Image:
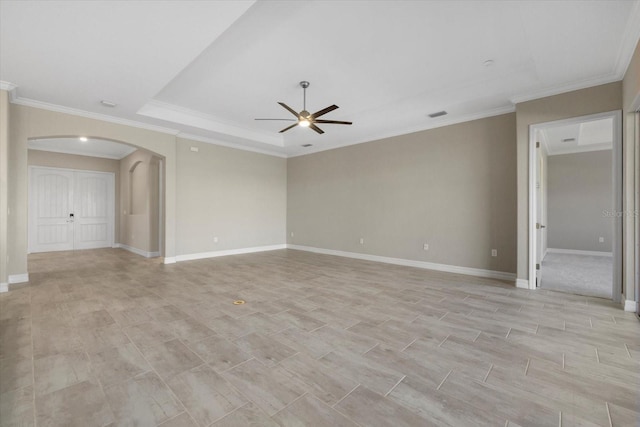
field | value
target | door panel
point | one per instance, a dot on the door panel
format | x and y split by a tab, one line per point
540	227
93	211
70	210
53	197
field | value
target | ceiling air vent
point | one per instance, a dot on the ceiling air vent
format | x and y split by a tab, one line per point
568	140
438	114
307	145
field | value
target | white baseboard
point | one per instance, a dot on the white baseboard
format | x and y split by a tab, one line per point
18	278
577	252
169	260
136	250
629	305
412	263
213	254
4	287
522	283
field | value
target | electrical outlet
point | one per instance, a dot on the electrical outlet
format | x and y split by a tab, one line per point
426	247
194	149
215	239
494	252
601	239
292	234
362	240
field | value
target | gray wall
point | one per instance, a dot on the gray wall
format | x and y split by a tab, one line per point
580	188
452	187
238	196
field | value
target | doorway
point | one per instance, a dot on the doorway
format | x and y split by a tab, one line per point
67	209
575	193
70	209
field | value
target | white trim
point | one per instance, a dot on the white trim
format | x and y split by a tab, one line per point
4	287
18	278
629	305
7	86
213	141
169	260
577	252
75	153
579	149
617	184
214	254
90	115
564	88
413	129
629	41
187	117
126	122
491	274
136	251
522	283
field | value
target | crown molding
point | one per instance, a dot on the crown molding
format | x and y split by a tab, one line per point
629	41
96	116
206	140
187	117
579	149
570	87
132	123
413	129
75	153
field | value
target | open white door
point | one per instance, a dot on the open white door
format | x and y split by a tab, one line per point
541	227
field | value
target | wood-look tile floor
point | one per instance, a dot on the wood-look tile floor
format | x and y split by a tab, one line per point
107	338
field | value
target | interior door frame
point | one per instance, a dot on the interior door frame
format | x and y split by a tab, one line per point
30	214
617	197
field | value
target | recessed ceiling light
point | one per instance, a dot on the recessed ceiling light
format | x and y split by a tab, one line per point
83	139
488	63
438	114
108	103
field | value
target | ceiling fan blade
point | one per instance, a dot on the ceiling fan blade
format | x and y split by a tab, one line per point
333	122
289	109
286	120
289	127
316	128
324	111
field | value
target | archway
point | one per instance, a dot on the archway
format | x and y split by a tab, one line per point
137	208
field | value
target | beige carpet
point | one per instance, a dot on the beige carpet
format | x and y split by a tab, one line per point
578	274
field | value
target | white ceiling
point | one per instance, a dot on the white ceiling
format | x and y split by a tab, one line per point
594	135
206	69
94	147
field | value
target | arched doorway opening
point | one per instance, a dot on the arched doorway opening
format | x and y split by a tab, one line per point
73	206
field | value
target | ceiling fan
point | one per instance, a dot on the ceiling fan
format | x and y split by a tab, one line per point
306	119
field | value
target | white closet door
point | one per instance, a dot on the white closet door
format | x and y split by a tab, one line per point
51	203
70	210
93	210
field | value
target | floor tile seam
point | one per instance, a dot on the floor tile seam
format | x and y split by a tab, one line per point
345	396
175	396
33	365
289	404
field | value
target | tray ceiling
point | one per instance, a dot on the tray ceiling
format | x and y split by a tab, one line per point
206	69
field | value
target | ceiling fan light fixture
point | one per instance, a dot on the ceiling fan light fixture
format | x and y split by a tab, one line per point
305	123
